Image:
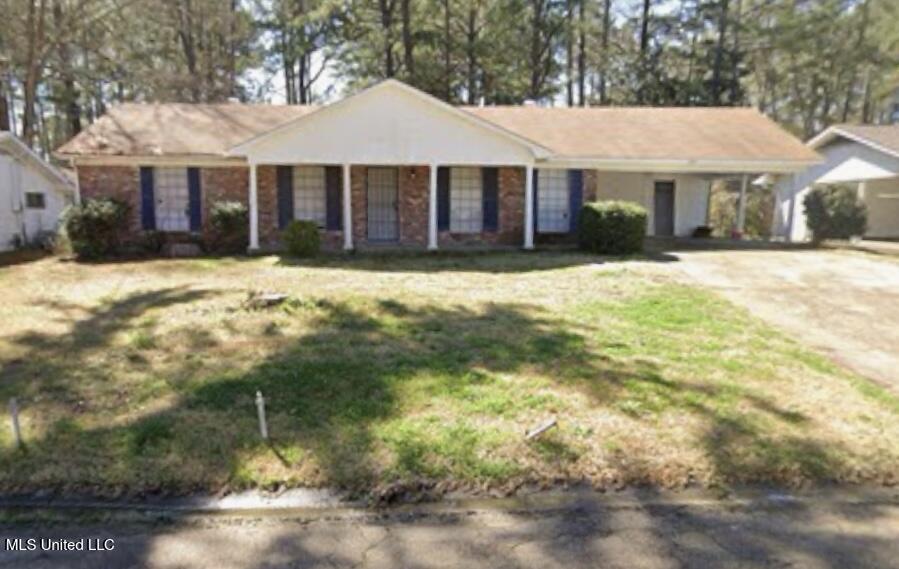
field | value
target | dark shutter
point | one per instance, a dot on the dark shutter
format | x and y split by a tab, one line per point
575	198
147	202
333	198
194	199
443	198
490	198
285	196
536	201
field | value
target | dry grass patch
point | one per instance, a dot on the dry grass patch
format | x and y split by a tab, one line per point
141	376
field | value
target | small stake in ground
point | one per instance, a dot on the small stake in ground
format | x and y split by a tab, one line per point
260	409
14	412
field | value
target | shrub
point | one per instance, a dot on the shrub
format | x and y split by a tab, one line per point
229	227
612	227
95	228
301	238
835	212
151	242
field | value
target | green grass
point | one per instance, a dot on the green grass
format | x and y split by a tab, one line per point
390	369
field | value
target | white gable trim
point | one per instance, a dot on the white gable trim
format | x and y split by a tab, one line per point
833	132
19	150
536	149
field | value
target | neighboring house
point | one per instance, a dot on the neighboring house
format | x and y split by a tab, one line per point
865	157
32	194
394	165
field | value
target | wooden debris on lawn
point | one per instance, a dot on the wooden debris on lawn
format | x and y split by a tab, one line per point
542	428
259	300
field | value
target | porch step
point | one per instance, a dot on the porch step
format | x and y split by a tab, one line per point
182	250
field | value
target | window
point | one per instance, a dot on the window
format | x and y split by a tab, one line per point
466	200
552	201
172	202
309	194
35	200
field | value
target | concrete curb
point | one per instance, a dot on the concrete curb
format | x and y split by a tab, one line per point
316	504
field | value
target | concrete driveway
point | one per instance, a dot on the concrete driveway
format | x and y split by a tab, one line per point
844	304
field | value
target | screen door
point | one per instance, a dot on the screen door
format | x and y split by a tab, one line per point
383	193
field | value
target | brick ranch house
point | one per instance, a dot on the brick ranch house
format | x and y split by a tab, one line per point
393	165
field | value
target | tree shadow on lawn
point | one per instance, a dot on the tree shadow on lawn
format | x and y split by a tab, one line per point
50	359
433	372
467	261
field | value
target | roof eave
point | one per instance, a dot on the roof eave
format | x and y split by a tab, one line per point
31	155
736	166
832	132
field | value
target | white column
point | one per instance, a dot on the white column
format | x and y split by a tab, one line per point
791	216
347	210
254	210
432	210
741	208
862	190
529	207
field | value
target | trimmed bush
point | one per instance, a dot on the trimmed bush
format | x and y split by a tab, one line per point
612	227
95	228
301	238
835	212
229	227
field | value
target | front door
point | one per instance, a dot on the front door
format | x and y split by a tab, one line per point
383	194
663	212
172	201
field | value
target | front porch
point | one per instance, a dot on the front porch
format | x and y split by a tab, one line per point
410	206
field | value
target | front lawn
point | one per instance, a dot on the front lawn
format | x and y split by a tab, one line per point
141	376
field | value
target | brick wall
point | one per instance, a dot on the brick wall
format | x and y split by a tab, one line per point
223	184
117	182
414	182
267	195
232	183
510	230
590	185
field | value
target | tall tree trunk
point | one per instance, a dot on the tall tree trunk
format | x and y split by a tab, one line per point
231	46
718	65
735	64
536	56
447	52
69	95
859	44
34	67
644	29
5	89
582	54
386	7
644	51
569	51
603	78
471	38
408	42
188	46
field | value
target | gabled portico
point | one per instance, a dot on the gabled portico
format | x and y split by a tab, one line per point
386	136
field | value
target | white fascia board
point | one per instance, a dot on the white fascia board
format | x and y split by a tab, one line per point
833	132
676	166
21	151
181	160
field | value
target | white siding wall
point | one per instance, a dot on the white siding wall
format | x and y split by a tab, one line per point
839	152
17	178
386	126
882	199
10	225
690	196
